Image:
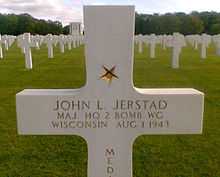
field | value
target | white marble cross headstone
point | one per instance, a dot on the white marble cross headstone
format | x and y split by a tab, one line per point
205	41
36	41
109	112
216	40
5	41
26	44
69	41
61	41
177	43
139	40
163	41
1	51
196	41
74	42
49	41
11	40
152	42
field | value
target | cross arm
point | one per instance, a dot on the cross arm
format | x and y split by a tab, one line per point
38	114
171	111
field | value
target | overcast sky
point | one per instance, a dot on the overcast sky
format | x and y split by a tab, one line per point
71	10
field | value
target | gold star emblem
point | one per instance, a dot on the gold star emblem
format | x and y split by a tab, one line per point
109	74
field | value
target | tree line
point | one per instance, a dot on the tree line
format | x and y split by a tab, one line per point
18	24
193	23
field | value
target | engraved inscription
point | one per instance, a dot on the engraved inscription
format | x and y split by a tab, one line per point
92	114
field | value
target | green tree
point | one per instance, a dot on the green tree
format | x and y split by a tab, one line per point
215	29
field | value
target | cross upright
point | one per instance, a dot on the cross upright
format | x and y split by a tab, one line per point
109	112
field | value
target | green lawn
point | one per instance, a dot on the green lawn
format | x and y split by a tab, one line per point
66	156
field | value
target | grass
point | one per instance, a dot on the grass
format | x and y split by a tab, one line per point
66	156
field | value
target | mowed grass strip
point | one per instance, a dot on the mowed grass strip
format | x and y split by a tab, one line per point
66	156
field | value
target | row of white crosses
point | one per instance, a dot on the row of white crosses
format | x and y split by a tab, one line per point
70	40
203	41
37	41
194	40
216	41
151	40
6	41
177	41
26	41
